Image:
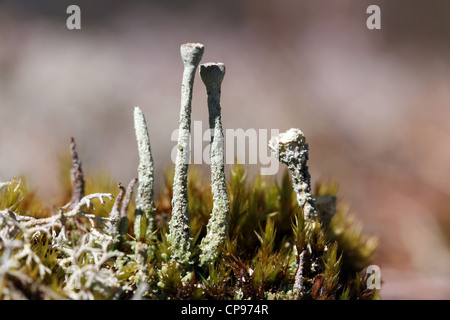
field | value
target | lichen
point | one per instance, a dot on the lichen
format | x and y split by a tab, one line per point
212	75
291	149
260	239
179	231
145	205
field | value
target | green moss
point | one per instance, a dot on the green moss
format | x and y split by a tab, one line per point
257	261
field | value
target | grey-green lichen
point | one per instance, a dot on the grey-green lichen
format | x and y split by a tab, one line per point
212	75
269	249
179	232
145	205
291	149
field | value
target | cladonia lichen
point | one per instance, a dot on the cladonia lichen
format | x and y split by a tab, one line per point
212	75
257	244
145	205
179	232
291	149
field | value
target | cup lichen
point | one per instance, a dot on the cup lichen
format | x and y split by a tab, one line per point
179	231
260	240
212	75
291	149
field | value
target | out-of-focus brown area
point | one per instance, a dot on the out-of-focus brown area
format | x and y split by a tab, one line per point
374	104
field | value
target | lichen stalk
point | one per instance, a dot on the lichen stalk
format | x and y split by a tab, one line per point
212	75
179	231
145	205
291	149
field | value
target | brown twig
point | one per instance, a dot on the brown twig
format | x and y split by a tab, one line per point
115	213
76	176
127	198
123	222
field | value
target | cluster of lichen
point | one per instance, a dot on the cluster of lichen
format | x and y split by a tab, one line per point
258	261
228	239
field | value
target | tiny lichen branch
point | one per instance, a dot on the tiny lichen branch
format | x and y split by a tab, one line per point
30	228
291	149
82	279
145	205
179	231
212	75
76	175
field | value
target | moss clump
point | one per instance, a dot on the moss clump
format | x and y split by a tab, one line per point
257	261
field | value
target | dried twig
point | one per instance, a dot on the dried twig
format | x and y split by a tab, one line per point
127	198
115	214
123	222
76	175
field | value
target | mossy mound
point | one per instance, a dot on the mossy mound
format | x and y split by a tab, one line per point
44	258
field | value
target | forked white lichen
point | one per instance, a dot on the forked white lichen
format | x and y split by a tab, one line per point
18	234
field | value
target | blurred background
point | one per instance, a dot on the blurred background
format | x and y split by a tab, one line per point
373	104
